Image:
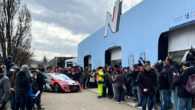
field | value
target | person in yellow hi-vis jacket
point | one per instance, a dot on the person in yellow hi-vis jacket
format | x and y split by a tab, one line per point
100	81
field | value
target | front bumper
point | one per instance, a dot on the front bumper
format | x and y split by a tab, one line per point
69	88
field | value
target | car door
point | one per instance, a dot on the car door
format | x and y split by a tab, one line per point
49	82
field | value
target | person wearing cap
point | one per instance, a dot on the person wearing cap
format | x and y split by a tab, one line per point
22	88
4	90
100	81
10	73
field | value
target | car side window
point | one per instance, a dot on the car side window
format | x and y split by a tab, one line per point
49	78
46	75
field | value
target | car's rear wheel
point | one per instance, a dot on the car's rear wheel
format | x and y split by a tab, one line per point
57	88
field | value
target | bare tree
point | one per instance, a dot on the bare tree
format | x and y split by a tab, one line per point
15	39
2	30
21	41
10	9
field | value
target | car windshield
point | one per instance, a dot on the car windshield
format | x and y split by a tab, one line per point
60	77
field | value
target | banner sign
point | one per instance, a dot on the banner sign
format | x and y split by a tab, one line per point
113	21
184	18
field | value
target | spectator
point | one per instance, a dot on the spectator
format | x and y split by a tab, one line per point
184	97
136	89
92	82
163	86
124	87
34	86
110	73
171	67
118	83
100	81
12	70
77	76
4	90
84	77
80	71
31	95
106	82
88	77
13	88
40	82
22	88
127	81
8	63
147	83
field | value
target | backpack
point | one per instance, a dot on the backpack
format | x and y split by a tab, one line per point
190	86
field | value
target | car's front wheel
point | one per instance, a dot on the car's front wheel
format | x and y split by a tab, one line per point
57	88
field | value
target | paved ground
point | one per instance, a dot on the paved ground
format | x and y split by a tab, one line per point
85	100
128	101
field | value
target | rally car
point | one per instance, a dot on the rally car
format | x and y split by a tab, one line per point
60	83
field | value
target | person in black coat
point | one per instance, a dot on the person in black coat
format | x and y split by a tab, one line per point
40	82
163	85
184	97
147	83
110	88
171	67
134	75
8	63
22	88
128	79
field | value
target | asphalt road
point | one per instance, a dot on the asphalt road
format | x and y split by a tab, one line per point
84	100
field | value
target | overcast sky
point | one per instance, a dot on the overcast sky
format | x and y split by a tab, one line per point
59	25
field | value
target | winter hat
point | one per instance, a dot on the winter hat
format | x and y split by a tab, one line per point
25	68
13	68
43	69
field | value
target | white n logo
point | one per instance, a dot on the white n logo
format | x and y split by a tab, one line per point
114	20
